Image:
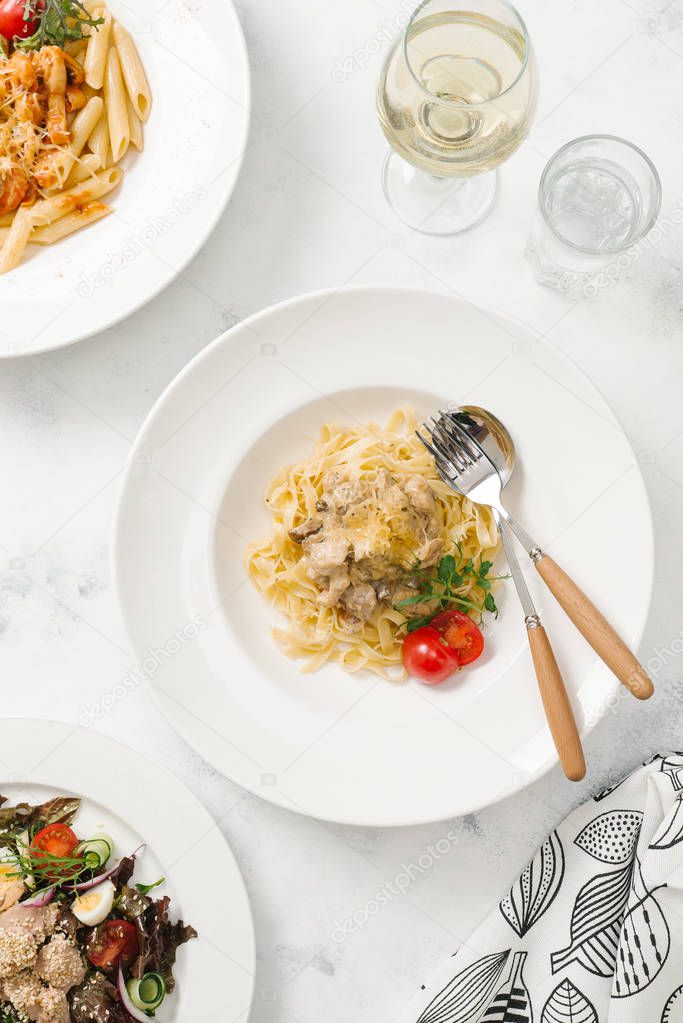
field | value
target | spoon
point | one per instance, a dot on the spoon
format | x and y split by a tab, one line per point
495	442
461	468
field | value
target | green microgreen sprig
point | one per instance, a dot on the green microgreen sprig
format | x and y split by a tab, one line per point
145	889
449	585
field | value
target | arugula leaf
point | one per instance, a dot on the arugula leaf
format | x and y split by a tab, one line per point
59	22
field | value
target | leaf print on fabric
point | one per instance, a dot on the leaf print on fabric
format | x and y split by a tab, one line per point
613	788
672	766
596	922
611	837
464	998
673	1010
670	832
536	888
511	1002
568	1005
644	942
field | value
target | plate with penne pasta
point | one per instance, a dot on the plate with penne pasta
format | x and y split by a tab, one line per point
121	134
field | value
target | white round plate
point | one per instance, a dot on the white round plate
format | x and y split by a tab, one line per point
353	748
136	801
172	194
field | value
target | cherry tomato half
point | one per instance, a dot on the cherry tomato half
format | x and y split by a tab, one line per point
460	633
116	941
56	841
12	24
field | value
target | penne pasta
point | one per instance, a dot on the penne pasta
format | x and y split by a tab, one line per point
96	54
135	126
69	111
82	128
16	240
70	223
45	211
99	141
85	168
76	48
117	112
133	72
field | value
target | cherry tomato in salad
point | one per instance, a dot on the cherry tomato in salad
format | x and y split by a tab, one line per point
450	641
115	942
12	24
461	634
56	841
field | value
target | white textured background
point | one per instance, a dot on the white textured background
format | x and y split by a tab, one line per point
308	213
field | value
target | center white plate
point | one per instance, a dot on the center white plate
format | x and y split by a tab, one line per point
352	748
171	196
136	801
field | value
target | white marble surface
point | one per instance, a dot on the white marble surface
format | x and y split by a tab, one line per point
308	213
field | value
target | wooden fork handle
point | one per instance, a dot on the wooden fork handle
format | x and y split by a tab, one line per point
607	644
558	709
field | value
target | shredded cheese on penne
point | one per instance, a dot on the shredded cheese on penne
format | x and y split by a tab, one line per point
62	122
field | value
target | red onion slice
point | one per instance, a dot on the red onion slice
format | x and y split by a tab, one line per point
130	1008
84	886
43	898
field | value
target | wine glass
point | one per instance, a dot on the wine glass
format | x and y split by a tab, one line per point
456	98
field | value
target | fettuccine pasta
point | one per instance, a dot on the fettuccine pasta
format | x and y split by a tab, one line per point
393	533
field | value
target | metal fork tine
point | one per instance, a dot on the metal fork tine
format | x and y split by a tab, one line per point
453	451
428	444
443	462
462	438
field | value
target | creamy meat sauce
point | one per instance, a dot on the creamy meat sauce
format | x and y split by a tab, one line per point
366	540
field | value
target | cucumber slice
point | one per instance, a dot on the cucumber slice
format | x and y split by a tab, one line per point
96	851
148	993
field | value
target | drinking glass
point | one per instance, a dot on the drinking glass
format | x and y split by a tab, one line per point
456	98
598	197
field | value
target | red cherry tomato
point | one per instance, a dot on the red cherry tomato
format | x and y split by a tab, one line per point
461	634
435	651
426	656
56	841
12	24
116	941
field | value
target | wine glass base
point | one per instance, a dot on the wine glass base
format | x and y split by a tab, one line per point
434	205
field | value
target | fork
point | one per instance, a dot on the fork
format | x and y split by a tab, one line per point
485	487
458	469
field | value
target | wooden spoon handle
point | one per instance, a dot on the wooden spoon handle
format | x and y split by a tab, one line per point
558	709
607	644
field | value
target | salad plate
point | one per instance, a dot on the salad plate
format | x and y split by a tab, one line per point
171	195
356	748
139	810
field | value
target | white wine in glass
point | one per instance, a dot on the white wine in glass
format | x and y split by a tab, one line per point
456	98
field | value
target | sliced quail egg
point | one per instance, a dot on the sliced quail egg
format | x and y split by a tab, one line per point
94	906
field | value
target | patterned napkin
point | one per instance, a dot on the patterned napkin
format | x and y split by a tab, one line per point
592	932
